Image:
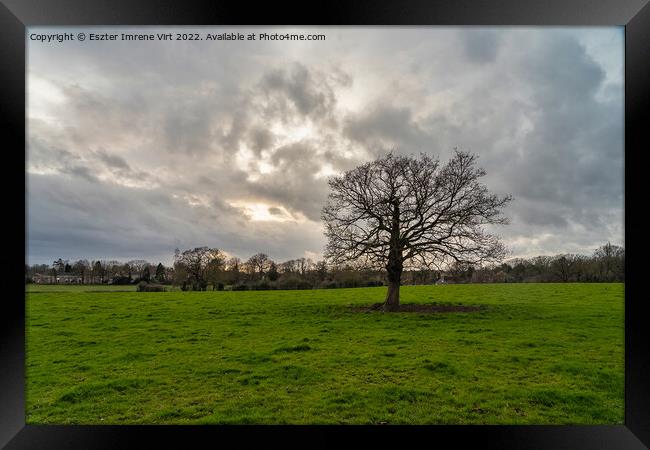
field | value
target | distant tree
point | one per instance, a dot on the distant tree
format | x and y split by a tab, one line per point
288	266
113	269
99	271
81	268
273	272
126	270
258	264
59	265
191	266
460	272
563	267
170	273
121	280
541	268
233	269
303	265
520	269
160	273
137	267
181	275
400	210
611	261
146	274
321	270
215	271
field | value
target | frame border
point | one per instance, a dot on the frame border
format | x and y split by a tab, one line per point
16	15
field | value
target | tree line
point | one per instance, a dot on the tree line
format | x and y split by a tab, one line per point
606	264
205	268
84	271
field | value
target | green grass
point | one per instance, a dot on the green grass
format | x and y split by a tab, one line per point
44	288
537	354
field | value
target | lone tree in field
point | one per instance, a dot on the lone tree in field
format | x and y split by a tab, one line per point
400	211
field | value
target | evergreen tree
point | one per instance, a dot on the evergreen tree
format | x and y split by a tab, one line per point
160	273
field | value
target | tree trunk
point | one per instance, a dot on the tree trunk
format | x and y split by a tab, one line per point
394	265
392	297
394	269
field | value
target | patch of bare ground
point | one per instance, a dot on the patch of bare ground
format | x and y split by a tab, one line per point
423	308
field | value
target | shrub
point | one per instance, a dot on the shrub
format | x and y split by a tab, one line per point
330	284
288	282
155	288
303	284
200	285
121	280
262	286
194	285
143	286
293	282
240	287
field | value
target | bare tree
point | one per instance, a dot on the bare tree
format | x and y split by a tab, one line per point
321	270
288	266
214	271
303	265
402	211
273	271
564	267
59	265
81	268
233	267
137	267
611	261
258	264
193	265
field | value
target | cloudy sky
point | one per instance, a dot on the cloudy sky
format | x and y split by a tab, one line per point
137	148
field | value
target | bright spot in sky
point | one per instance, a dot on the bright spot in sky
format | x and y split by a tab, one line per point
42	97
264	212
289	134
326	171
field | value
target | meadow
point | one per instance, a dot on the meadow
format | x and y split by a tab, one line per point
534	354
47	288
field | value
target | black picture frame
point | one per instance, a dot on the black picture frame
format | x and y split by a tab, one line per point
15	15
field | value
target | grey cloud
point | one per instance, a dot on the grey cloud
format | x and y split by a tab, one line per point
532	103
385	128
112	160
480	45
567	169
574	154
81	171
260	139
187	126
75	219
299	86
572	72
293	184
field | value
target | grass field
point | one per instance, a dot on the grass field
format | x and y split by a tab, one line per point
537	354
44	288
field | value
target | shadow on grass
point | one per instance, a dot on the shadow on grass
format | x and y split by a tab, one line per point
425	308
